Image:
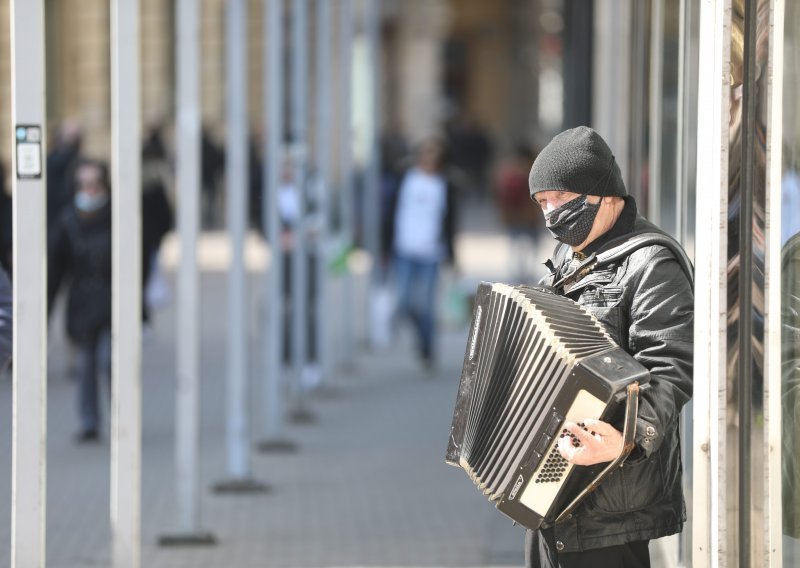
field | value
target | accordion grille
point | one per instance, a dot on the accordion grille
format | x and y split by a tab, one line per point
526	347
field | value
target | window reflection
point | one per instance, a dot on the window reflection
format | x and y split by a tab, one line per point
790	289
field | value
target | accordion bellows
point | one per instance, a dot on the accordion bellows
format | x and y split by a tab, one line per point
533	360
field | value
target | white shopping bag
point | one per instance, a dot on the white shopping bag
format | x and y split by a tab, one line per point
382	307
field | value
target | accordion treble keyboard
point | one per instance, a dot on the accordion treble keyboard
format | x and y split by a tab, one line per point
533	360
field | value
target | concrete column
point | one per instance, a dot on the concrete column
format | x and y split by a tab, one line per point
158	68
611	78
91	86
212	66
422	29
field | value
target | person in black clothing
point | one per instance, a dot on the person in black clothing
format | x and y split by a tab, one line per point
61	161
6	234
80	251
644	298
212	158
157	216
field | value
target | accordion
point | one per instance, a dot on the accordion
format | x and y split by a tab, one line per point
534	360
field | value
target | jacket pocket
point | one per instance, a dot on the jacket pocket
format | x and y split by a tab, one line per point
631	487
601	297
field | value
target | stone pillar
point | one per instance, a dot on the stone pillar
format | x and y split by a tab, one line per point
86	78
158	62
212	72
255	52
422	26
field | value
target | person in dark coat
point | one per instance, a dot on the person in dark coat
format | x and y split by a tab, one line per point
61	160
6	320
80	250
644	298
157	215
6	234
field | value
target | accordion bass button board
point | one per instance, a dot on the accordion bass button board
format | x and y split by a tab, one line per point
533	360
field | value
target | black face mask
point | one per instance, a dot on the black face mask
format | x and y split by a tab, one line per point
572	222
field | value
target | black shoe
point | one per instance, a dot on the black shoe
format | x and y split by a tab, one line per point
87	436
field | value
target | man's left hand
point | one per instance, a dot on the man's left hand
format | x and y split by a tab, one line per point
600	442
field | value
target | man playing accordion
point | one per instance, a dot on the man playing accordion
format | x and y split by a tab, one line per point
645	300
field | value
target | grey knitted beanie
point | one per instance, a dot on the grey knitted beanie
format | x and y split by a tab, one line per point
580	161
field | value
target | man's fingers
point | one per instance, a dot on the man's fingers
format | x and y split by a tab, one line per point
583	436
567	450
600	427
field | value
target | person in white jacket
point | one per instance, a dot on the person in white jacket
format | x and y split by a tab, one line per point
420	237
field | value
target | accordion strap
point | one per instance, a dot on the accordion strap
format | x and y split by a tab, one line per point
621	247
628	435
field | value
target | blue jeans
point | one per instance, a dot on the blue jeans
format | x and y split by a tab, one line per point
415	280
94	360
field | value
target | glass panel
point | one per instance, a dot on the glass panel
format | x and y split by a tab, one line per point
790	284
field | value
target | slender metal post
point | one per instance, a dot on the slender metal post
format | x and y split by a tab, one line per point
773	338
273	434
29	422
346	205
187	170
299	108
372	209
126	388
323	162
684	172
656	96
710	493
681	140
236	170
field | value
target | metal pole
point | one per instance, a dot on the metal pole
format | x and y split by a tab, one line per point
299	108
681	142
323	158
346	206
272	92
29	422
236	170
372	209
126	389
187	169
656	129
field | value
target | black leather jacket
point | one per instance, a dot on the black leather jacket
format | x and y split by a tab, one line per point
646	302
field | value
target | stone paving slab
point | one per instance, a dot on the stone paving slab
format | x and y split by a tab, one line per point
369	486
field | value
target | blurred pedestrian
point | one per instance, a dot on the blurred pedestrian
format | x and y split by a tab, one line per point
471	151
157	219
212	168
255	194
289	214
61	161
6	321
523	223
419	237
80	251
6	233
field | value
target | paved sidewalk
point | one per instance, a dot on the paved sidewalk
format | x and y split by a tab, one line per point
369	486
